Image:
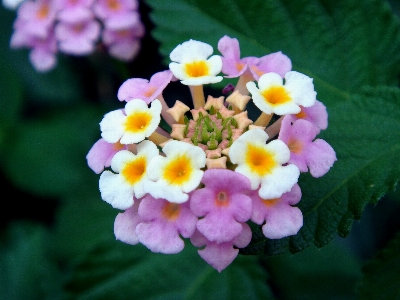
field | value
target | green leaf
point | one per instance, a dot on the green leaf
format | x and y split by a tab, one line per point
47	156
382	274
343	45
26	269
365	132
118	271
83	221
315	273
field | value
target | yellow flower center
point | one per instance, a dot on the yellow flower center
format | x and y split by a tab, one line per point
178	170
134	170
171	211
276	95
138	121
260	160
197	69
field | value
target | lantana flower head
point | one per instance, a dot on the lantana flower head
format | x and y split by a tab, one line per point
77	27
213	171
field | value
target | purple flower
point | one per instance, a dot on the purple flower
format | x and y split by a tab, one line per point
280	217
101	153
305	152
223	203
161	224
315	114
125	224
221	255
138	88
78	38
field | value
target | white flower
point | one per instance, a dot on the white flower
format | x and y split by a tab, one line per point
191	63
134	126
176	174
262	163
272	96
128	182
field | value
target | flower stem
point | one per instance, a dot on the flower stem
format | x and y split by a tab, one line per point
197	96
273	130
263	119
241	84
157	138
167	117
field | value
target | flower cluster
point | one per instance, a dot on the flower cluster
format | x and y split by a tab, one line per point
216	170
75	27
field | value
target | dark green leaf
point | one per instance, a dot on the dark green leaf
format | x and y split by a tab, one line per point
328	273
26	270
47	156
382	274
119	271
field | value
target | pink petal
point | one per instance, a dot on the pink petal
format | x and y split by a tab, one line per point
320	157
125	224
219	256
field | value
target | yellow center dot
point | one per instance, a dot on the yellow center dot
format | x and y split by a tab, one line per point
270	202
134	170
197	69
138	121
276	95
295	146
43	11
178	170
222	199
260	160
114	4
171	211
302	114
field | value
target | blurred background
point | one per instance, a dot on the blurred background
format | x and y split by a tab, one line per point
56	234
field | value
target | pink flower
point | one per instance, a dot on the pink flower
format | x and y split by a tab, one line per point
315	114
117	14
73	10
101	153
234	66
221	255
161	224
317	156
123	44
36	18
138	88
223	203
280	217
78	38
125	224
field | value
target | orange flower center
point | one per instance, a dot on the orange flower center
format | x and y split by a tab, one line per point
171	211
138	121
178	170
134	170
43	12
222	199
260	160
276	95
197	69
295	146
